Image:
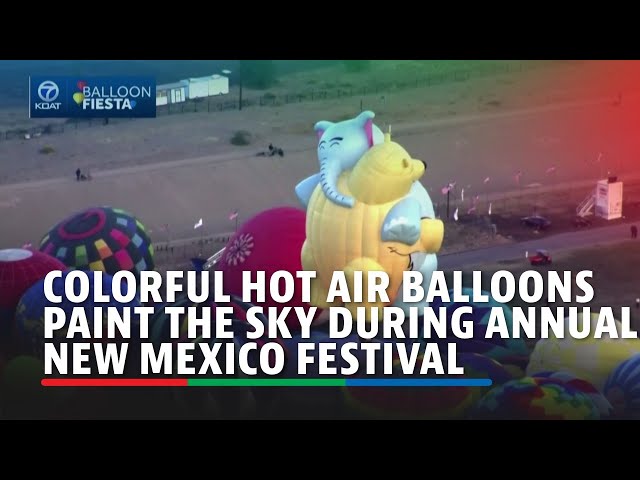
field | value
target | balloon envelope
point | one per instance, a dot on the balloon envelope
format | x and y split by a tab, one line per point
30	312
104	238
270	241
504	350
622	388
591	359
535	399
604	406
19	270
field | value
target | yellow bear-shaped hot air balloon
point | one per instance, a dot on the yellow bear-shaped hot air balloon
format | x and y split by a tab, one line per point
379	233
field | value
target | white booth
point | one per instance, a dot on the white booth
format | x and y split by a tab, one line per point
608	199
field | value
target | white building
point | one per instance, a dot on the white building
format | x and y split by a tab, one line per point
172	93
207	86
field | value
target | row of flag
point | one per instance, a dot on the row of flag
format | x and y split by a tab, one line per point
447	189
165	227
470	211
232	216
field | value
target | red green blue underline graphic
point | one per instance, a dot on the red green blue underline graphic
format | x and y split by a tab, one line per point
266	382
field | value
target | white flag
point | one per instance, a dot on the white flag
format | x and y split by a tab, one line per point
455	215
462	195
490	209
198	225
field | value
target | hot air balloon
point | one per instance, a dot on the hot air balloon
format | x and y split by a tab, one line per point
104	238
591	359
604	406
535	399
428	403
383	225
341	145
507	351
30	313
212	403
271	241
19	270
622	389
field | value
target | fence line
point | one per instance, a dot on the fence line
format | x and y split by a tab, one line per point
221	103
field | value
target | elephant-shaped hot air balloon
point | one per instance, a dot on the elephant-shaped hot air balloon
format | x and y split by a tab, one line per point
379	233
340	147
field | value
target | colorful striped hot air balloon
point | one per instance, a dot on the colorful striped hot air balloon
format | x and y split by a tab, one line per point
535	399
104	238
604	406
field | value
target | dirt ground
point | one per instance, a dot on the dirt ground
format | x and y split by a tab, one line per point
179	136
181	168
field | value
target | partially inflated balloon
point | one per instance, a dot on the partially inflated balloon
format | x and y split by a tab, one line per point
622	389
427	403
19	270
592	359
604	406
511	351
268	242
535	399
30	313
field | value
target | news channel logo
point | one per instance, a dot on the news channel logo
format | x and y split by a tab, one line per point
92	97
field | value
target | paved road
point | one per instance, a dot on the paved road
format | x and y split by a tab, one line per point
553	243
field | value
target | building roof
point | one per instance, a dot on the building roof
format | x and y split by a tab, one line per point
170	86
204	79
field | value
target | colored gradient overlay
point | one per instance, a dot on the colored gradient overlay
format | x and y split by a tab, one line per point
266	382
595	134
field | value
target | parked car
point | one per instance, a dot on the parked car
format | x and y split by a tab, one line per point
536	221
542	257
581	222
